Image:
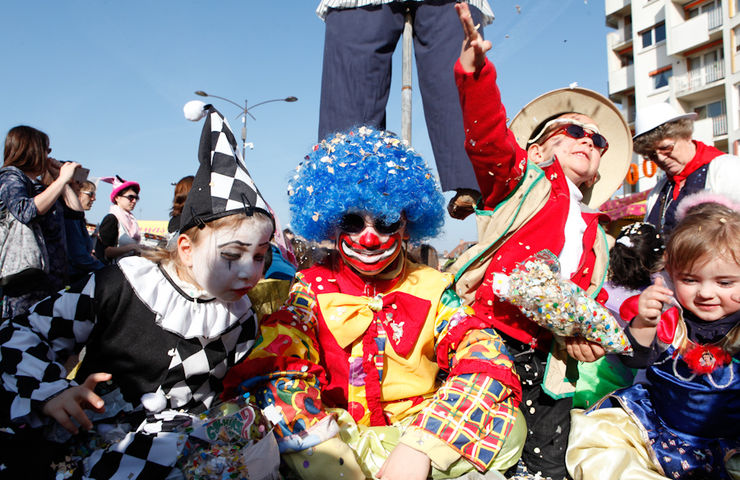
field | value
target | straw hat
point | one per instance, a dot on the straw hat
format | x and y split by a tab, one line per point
612	125
655	115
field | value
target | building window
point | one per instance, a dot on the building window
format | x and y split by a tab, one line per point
653	35
626	59
627	32
660	76
647	38
659	32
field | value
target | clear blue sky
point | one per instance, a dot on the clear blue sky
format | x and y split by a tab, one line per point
107	81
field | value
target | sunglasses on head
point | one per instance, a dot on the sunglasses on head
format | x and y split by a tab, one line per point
354	223
131	198
577	132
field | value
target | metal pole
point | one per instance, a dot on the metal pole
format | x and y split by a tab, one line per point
244	132
406	81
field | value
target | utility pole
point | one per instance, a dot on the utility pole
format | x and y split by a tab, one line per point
406	81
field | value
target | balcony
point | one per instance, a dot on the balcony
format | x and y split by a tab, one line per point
700	78
719	125
700	84
715	18
689	34
615	9
622	80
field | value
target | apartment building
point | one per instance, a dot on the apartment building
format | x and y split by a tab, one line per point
686	52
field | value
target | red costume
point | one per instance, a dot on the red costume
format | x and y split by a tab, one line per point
500	165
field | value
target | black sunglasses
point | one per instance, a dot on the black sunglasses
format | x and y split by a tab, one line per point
131	198
354	223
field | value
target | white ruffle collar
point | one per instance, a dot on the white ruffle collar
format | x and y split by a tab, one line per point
174	310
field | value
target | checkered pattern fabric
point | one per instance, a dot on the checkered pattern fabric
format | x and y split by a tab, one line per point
197	367
33	347
150	452
230	181
476	426
222	183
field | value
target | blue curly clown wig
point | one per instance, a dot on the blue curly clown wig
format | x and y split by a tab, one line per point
364	170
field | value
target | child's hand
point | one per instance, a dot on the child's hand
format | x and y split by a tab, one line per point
583	350
650	304
69	403
405	463
473	54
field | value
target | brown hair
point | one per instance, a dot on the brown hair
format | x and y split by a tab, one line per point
708	230
88	184
158	255
181	194
27	149
679	129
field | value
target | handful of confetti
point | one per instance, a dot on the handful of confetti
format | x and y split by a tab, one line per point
557	304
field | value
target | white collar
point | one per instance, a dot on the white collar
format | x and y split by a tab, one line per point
575	192
175	311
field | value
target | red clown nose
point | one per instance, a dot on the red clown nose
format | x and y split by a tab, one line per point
369	239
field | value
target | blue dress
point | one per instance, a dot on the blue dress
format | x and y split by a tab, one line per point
689	411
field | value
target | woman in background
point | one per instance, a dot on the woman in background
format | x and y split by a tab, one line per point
26	158
119	234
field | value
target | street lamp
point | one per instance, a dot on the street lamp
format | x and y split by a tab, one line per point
245	110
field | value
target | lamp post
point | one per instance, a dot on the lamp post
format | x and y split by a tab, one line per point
246	110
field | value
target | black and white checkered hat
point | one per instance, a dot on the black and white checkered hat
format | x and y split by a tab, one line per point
222	185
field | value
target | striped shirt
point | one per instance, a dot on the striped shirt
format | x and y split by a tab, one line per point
325	5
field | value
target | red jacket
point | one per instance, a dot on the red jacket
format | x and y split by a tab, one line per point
499	164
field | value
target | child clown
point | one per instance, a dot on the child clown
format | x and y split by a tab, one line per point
159	333
373	368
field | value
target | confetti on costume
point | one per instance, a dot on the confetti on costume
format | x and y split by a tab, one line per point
559	305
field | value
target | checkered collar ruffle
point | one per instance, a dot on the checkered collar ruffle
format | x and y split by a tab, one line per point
174	310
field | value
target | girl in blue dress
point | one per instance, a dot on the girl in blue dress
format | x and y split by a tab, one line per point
684	422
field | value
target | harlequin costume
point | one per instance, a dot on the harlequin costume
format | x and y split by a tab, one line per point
526	208
166	343
354	364
683	423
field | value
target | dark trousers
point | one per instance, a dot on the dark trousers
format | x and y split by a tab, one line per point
356	78
548	420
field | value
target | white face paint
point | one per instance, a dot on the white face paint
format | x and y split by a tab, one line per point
228	261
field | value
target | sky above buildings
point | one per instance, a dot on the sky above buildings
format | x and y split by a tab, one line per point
107	81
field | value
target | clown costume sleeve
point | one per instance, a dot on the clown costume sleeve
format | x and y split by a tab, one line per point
409	364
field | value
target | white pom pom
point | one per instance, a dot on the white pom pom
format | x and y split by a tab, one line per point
194	110
154	402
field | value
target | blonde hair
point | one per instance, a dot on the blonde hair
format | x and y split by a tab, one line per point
195	234
708	230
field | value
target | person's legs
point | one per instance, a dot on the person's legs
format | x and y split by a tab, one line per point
438	37
356	77
548	420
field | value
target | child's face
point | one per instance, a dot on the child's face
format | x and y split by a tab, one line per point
369	245
711	288
577	156
228	261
